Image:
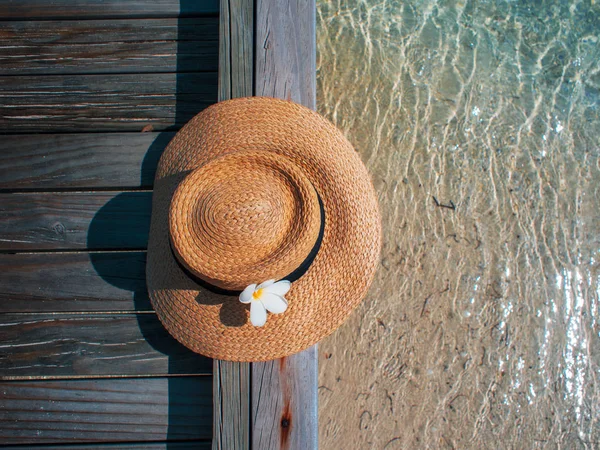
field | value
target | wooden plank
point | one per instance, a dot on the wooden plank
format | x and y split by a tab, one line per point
130	102
231	405
87	345
77	411
74	220
284	392
63	32
109	46
80	160
88	9
73	282
168	445
285	402
286	50
231	391
236	49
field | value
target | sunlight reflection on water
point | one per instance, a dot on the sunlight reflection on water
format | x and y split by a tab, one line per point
481	329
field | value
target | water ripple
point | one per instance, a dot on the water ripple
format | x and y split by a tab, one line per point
481	329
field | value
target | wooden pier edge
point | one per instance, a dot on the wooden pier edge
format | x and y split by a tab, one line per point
267	48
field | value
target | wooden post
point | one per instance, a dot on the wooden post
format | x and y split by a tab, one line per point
284	392
276	407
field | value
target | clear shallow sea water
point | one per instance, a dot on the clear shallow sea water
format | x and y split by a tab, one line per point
482	328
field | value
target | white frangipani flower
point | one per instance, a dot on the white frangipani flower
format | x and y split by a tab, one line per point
267	296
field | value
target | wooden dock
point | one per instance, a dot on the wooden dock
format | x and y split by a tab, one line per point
91	93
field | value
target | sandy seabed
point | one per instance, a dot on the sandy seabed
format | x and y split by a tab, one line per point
480	124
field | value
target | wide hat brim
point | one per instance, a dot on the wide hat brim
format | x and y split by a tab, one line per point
218	326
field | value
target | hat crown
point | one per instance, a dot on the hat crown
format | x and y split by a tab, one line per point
244	217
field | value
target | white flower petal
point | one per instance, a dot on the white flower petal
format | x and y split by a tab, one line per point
280	288
274	303
246	295
265	284
258	314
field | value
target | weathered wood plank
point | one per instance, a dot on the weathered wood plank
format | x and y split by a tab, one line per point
284	392
73	282
87	9
285	402
236	49
130	102
152	409
80	160
168	445
231	405
109	46
67	345
80	220
286	50
63	32
231	391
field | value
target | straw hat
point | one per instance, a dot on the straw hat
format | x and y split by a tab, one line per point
251	190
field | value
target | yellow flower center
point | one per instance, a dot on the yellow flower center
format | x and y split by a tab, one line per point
257	294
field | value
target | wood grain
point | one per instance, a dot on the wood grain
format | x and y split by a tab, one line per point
231	415
151	409
89	9
284	392
73	282
54	33
236	49
95	75
285	403
80	160
231	405
130	102
80	220
286	50
67	345
109	46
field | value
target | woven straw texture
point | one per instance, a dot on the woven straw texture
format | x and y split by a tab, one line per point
242	216
235	193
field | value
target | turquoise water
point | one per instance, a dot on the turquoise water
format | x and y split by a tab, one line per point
480	124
